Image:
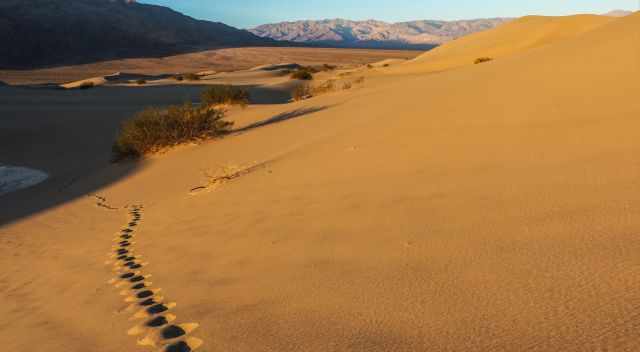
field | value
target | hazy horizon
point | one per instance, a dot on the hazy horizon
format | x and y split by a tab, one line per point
252	13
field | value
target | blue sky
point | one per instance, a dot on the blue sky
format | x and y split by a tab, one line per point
249	13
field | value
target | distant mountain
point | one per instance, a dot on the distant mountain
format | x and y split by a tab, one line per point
37	33
618	13
372	33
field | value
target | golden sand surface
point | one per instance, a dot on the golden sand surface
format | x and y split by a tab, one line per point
491	207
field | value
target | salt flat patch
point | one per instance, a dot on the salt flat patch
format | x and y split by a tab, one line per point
13	178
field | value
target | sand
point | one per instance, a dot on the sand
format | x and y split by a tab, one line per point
489	207
219	60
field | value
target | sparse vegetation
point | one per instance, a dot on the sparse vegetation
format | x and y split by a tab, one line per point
87	85
227	94
153	129
328	67
369	66
482	60
359	80
141	82
187	76
303	74
386	65
347	85
302	92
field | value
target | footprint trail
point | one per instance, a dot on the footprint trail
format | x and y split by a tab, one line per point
156	326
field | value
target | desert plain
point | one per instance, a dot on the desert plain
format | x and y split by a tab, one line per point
435	205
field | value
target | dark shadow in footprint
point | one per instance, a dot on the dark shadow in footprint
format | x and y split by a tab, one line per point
148	302
123	242
172	332
157	322
124	258
136	266
132	224
144	294
127	275
137	278
126	237
127	230
139	286
157	309
122	251
126	244
179	346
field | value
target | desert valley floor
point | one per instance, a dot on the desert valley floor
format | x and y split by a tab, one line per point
437	205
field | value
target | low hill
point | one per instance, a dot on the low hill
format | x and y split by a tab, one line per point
37	33
371	33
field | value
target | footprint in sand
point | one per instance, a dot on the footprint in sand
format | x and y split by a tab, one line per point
146	303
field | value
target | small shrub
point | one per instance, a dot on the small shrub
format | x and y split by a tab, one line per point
326	87
328	67
347	85
153	129
226	94
87	85
369	66
359	80
482	60
178	78
141	82
386	65
191	77
302	74
302	92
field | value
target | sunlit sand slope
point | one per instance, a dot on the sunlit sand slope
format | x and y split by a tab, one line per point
495	207
509	39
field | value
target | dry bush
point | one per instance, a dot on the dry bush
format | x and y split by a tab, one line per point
187	76
302	92
347	85
482	60
302	74
359	80
225	94
153	129
141	82
87	85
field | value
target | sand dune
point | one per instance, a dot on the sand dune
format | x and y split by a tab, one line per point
509	39
489	208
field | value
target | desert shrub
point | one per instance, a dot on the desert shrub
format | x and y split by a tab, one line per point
347	85
153	129
191	77
302	74
187	76
86	85
369	66
386	65
359	80
225	94
328	67
302	92
326	87
482	60
141	82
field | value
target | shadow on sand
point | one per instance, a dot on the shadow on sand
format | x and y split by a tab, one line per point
68	135
280	118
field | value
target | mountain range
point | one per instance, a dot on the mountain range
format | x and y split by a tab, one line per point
36	33
372	33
